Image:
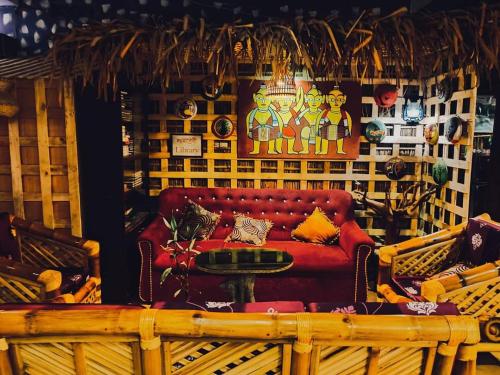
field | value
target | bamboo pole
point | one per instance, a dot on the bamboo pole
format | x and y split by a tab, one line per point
5	367
150	343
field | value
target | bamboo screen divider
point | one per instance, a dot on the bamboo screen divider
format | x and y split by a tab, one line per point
220	166
142	341
38	156
451	204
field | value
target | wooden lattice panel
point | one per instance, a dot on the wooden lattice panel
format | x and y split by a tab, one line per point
13	290
188	357
359	360
451	205
477	299
48	358
45	253
38	157
109	358
220	166
423	262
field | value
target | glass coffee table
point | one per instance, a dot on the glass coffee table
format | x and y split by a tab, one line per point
241	265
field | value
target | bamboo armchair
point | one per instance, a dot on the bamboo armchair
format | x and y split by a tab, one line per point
155	342
35	272
475	291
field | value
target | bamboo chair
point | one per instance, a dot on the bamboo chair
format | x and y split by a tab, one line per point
34	274
475	291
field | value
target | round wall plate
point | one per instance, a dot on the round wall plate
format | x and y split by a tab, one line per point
186	108
222	127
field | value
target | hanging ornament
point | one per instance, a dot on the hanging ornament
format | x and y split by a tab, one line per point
395	168
440	172
385	95
210	89
444	89
375	131
8	104
186	108
431	133
454	128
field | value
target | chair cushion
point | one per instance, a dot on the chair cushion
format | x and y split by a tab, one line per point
483	241
73	279
251	307
317	228
409	286
381	308
307	257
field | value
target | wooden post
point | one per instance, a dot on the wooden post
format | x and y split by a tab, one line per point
72	157
373	361
5	367
150	344
42	128
302	347
80	366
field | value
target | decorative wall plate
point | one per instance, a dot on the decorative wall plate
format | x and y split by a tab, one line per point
210	89
395	168
431	133
385	95
222	127
375	131
444	89
186	108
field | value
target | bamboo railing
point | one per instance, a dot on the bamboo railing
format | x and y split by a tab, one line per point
149	341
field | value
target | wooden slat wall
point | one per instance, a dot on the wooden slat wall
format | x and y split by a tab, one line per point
38	157
404	140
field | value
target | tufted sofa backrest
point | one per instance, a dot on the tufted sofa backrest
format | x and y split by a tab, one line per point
285	208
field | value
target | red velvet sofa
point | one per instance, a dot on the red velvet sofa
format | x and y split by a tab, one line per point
319	272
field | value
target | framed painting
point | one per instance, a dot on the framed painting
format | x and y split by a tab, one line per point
318	120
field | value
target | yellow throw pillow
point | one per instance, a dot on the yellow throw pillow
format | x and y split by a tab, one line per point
317	228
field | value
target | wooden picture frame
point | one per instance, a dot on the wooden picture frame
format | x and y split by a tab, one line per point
186	145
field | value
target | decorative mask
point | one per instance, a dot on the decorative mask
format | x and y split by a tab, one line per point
444	89
210	89
454	128
431	133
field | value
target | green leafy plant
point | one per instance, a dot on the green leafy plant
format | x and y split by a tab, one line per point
181	257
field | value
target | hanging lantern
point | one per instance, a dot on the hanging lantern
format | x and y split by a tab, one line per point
281	88
440	172
8	104
375	131
431	134
186	108
395	168
210	88
385	95
454	128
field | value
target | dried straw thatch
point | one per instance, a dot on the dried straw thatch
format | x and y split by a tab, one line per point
416	45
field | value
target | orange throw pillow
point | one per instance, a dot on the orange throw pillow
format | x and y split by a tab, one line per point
317	228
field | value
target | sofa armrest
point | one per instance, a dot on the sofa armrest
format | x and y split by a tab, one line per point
149	245
357	245
352	237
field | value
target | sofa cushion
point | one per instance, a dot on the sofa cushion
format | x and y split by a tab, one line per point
249	230
307	257
317	228
270	307
195	216
382	308
409	286
73	279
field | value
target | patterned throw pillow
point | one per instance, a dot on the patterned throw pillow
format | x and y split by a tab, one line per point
317	228
196	216
453	270
249	230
